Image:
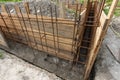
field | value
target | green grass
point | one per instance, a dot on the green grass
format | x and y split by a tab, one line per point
81	1
9	0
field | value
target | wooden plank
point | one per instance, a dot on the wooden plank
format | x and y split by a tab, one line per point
98	41
102	19
112	9
35	31
62	10
85	4
64	44
63	31
60	20
34	20
67	47
51	51
94	51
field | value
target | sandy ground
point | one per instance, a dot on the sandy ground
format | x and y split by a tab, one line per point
13	68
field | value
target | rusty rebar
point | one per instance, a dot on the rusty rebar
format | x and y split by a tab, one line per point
43	25
38	26
52	24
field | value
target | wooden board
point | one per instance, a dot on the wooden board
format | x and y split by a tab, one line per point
20	26
64	29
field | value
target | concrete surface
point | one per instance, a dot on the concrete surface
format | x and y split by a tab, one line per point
13	68
107	67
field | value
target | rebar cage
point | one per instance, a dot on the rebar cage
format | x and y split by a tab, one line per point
50	34
67	31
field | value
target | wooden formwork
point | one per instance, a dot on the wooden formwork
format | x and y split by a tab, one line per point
56	35
50	34
99	37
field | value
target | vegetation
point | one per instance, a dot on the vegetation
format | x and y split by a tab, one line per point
107	7
81	1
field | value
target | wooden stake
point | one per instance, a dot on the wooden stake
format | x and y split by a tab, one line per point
112	9
3	8
62	12
26	5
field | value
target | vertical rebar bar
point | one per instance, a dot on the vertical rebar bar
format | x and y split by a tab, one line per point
43	25
56	20
6	26
38	27
74	30
16	7
26	8
29	42
52	24
77	33
57	28
11	20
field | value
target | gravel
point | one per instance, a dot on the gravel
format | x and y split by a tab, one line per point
46	6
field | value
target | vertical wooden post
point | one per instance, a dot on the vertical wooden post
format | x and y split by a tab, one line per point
62	12
94	53
27	7
112	9
17	9
111	13
85	4
3	8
